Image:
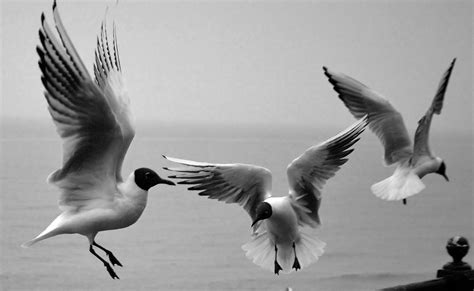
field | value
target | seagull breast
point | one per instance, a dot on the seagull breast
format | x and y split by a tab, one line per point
283	224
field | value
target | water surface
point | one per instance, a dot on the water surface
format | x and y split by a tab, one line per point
187	242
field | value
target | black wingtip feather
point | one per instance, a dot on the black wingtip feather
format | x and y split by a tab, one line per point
41	66
44	81
42	18
40	52
328	75
183	183
54	5
41	36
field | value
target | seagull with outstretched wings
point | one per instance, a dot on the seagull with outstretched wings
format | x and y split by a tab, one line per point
94	120
413	162
277	243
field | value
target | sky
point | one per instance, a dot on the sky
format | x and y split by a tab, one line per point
255	63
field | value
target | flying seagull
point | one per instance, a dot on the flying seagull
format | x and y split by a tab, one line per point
277	242
413	162
94	120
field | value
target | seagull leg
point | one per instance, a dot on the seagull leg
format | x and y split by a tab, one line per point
111	256
107	265
296	264
277	266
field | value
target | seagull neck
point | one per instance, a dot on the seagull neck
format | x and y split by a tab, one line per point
130	189
428	166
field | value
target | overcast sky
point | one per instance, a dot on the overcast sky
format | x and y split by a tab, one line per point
256	63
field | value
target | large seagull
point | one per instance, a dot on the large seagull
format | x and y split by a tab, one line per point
277	242
94	120
413	162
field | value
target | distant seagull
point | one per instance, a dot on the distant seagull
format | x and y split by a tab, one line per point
387	123
277	243
94	119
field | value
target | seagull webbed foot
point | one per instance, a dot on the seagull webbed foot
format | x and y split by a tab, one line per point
277	268
296	264
111	271
113	260
109	254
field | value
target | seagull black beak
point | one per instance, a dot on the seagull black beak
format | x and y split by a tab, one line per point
446	177
255	221
263	211
168	182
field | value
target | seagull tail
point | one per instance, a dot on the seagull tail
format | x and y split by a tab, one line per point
37	239
402	184
262	252
309	249
52	230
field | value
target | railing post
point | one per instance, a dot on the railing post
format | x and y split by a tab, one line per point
457	248
457	270
454	276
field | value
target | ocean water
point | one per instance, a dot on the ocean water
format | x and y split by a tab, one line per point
187	242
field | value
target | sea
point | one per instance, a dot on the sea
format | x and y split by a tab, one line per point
187	242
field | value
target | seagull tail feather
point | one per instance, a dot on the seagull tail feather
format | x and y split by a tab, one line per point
262	252
309	249
402	184
52	230
37	239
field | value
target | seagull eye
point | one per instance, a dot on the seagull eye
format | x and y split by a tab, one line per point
147	175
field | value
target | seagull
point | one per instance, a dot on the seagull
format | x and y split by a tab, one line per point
95	123
277	242
412	162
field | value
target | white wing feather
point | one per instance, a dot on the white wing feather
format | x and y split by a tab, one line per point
93	119
244	184
421	144
308	173
386	122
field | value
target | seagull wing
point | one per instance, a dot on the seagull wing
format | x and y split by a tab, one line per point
108	76
246	185
386	122
92	119
421	147
308	173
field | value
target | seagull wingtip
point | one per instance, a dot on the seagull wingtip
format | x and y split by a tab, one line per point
39	51
54	5
27	244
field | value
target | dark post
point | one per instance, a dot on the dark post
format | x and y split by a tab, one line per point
454	276
459	273
457	248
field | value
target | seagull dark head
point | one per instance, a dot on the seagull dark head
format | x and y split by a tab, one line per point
263	211
442	171
146	178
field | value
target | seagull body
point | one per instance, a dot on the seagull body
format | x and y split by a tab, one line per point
278	243
412	162
94	120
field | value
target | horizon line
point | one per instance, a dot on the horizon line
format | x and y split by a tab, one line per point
198	128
